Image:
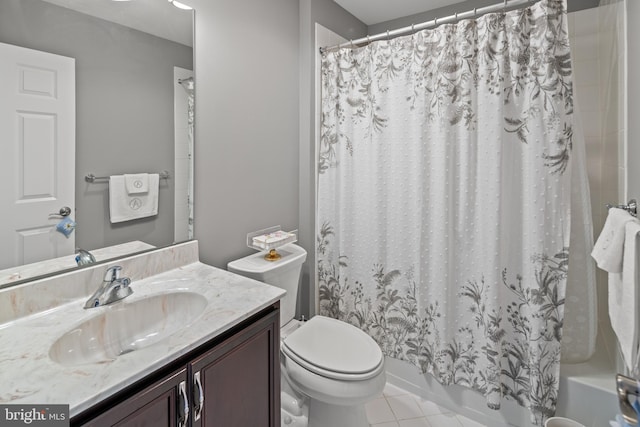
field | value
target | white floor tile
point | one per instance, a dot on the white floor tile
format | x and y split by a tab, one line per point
400	408
430	408
405	407
467	422
416	422
379	411
444	420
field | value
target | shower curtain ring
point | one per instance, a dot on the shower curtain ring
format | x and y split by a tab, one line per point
475	12
505	5
456	17
413	29
388	37
435	22
351	43
368	39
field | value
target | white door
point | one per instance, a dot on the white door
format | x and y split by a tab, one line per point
37	161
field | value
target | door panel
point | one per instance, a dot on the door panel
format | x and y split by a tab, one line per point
36	146
155	406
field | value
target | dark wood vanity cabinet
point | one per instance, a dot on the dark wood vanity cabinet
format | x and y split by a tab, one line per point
238	382
232	381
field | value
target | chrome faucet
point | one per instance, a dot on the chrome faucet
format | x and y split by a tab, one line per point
113	288
84	257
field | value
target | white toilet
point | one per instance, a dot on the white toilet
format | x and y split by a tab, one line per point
330	369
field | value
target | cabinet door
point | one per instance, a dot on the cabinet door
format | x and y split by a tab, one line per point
240	379
159	405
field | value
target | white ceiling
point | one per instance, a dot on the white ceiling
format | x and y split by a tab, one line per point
157	17
375	11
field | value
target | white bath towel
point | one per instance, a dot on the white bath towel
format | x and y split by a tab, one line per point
125	207
608	248
137	183
623	297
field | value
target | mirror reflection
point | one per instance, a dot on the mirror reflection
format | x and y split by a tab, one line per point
93	90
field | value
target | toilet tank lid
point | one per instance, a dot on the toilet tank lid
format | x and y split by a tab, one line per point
257	264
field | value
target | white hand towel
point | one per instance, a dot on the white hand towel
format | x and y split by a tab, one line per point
137	183
623	297
608	248
125	207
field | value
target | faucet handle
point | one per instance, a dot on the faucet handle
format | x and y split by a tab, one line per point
112	274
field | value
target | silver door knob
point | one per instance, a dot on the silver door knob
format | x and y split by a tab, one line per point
64	211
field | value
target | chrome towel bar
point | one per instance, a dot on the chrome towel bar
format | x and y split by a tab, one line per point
92	178
631	207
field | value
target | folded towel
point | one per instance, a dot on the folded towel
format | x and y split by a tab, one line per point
137	183
608	248
623	298
125	207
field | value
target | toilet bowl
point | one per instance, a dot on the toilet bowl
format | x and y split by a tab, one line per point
329	368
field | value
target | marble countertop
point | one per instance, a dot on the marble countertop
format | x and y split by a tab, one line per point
29	376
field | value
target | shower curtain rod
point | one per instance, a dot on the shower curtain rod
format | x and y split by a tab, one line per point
474	13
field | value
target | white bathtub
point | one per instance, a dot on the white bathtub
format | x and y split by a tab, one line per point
587	394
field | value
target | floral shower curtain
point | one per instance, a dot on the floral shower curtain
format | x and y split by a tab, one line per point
444	199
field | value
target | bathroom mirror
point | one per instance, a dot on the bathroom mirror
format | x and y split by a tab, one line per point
131	116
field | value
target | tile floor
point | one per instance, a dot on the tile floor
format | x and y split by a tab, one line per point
399	408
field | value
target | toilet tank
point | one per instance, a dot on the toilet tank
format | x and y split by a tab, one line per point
283	273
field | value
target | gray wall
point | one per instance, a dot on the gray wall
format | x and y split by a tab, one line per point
124	109
572	5
254	163
246	149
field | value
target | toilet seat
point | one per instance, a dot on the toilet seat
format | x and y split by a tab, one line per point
334	349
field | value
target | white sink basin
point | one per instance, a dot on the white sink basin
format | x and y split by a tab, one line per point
127	326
